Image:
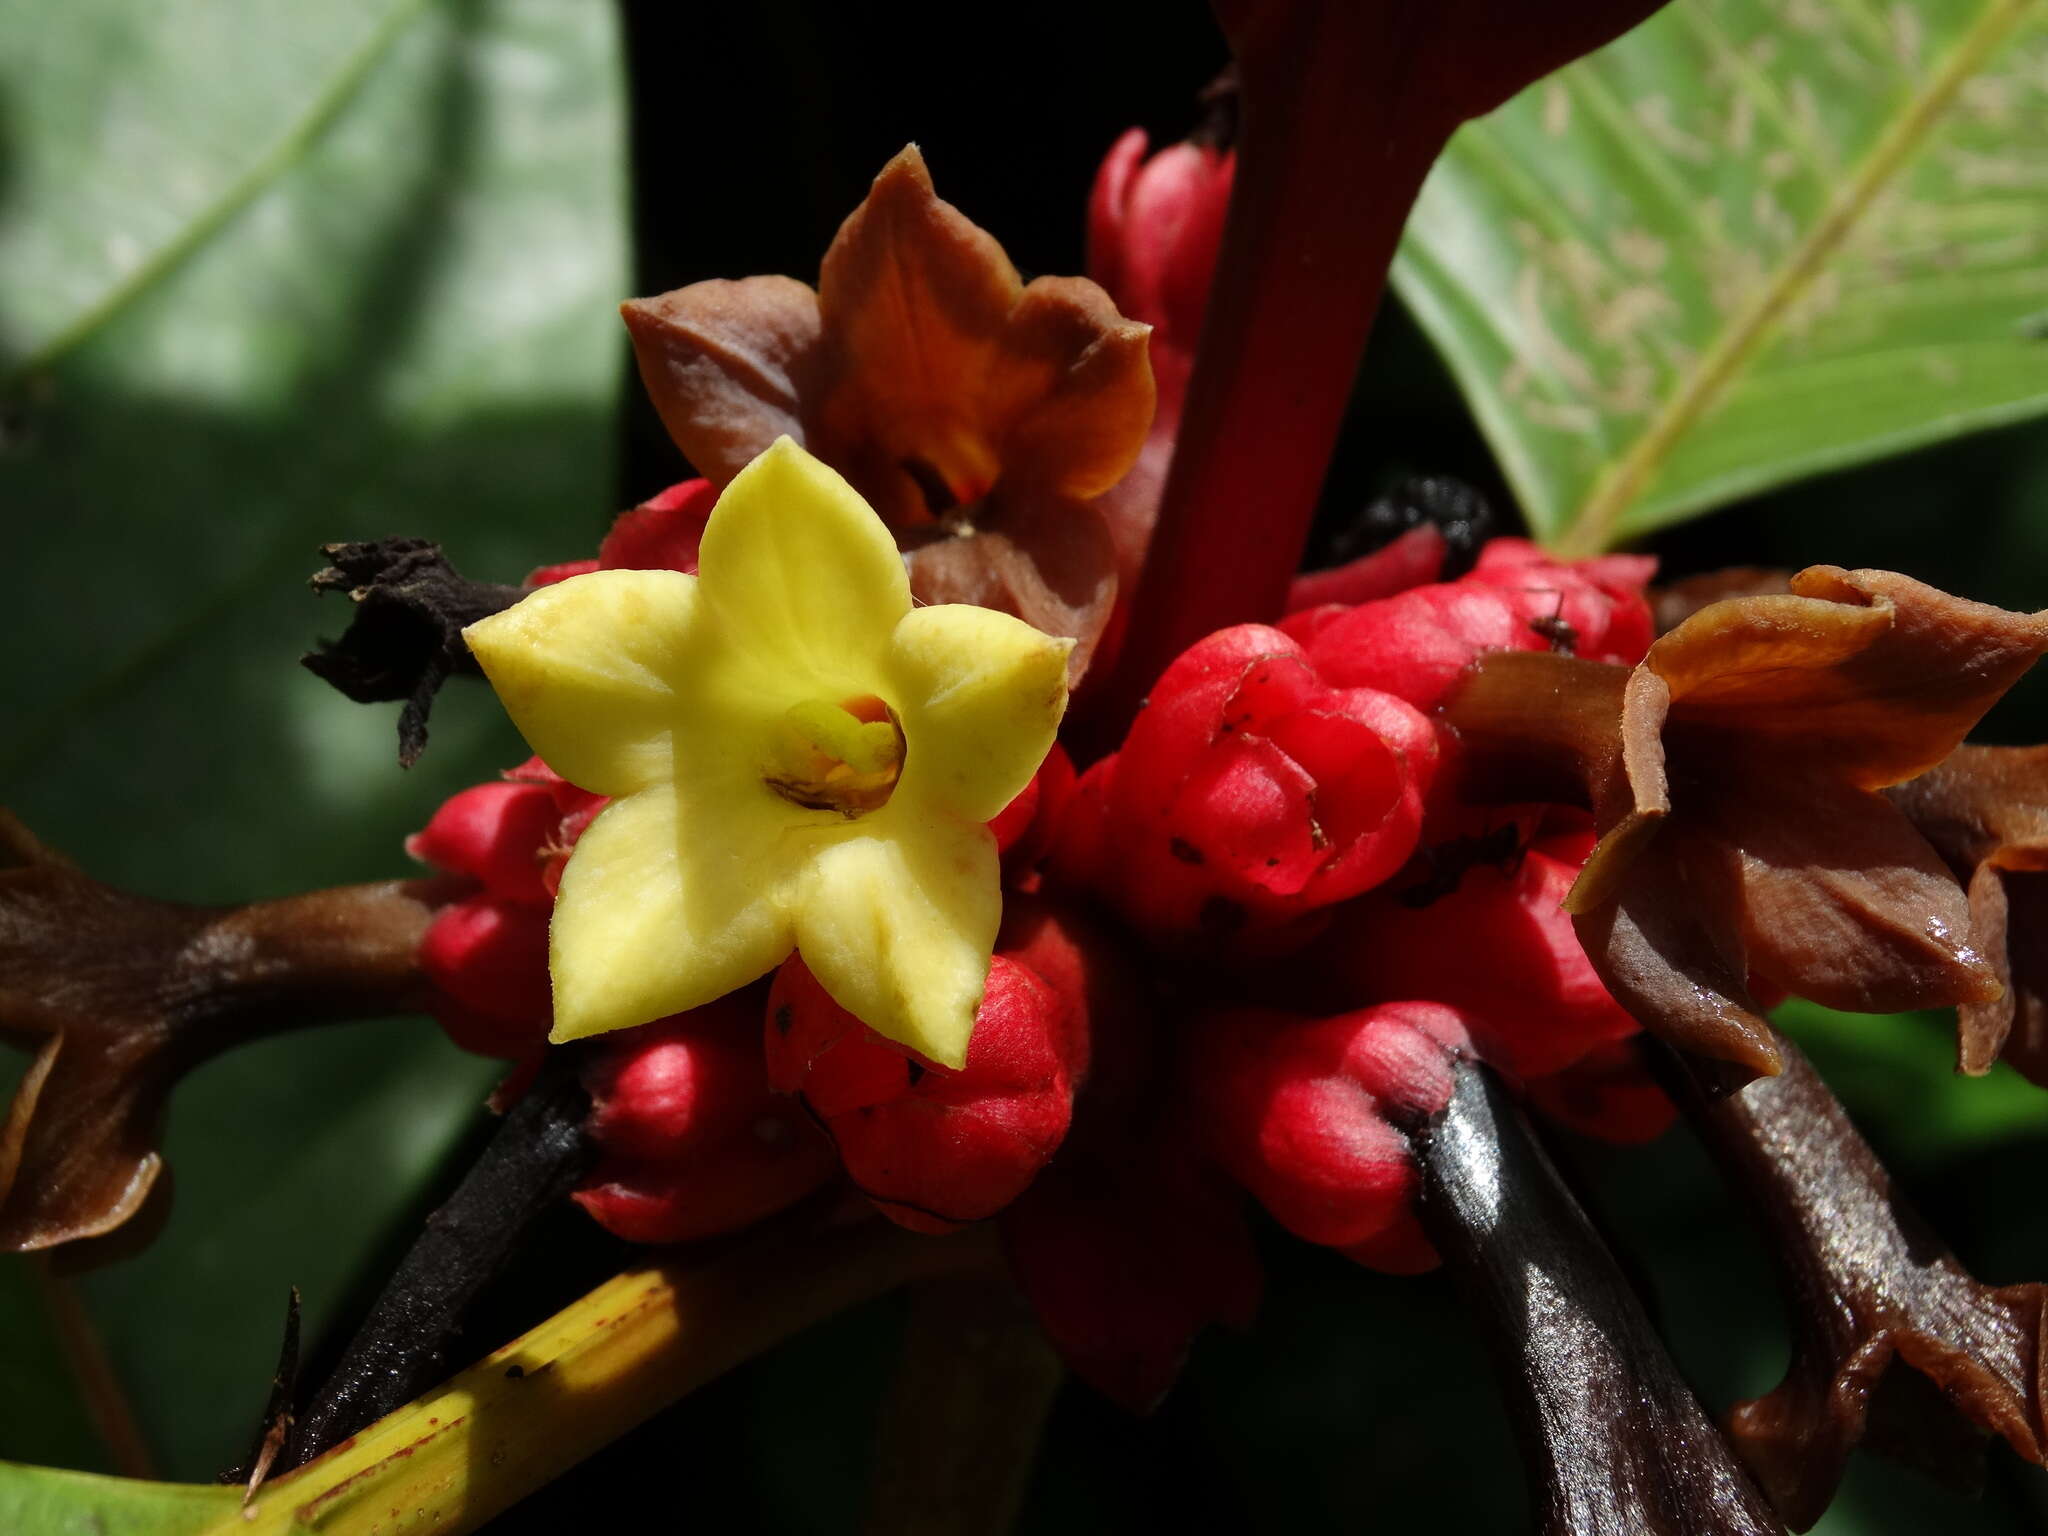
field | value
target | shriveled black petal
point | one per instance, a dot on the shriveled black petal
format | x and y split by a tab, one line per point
405	638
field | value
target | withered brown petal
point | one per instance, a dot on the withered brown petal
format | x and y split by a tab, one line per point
78	1149
1047	561
1668	950
1985	810
1070	397
728	365
916	299
1841	900
1873	675
1871	1288
120	995
1673	602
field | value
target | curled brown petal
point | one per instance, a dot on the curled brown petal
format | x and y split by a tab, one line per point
121	995
1843	901
1871	675
1985	809
1871	1290
1666	946
1673	602
728	365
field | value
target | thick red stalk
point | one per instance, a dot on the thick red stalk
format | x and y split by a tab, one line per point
1332	155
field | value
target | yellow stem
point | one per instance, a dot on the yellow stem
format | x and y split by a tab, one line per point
525	1414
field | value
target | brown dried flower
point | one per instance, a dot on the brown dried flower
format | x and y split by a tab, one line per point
1736	777
978	414
1986	812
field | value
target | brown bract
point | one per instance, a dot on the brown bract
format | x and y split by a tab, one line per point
119	996
978	414
1736	775
1986	811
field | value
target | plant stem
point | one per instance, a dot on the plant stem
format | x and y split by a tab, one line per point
1328	165
532	1161
526	1413
973	1387
1614	1441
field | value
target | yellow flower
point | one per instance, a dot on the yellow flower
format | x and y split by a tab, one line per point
798	759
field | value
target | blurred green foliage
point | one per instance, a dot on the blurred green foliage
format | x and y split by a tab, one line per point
275	276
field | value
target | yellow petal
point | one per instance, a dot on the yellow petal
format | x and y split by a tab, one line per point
646	926
800	575
898	922
588	668
979	695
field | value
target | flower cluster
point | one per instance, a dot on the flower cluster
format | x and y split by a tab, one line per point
814	853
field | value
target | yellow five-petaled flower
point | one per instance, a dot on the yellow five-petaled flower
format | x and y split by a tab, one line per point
798	759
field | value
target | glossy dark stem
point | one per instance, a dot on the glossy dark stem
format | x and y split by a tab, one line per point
1870	1289
1614	1441
402	1348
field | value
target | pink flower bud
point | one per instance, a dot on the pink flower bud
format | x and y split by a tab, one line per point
693	1141
932	1148
1310	1115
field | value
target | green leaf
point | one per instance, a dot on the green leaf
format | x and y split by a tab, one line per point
37	1501
1750	241
278	275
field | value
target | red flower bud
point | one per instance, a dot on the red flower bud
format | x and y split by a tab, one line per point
662	533
693	1141
548	575
1416	643
1309	1115
1483	929
1154	226
932	1148
490	959
493	834
1126	1256
1249	791
1413	559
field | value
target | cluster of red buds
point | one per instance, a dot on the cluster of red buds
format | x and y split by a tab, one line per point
1272	826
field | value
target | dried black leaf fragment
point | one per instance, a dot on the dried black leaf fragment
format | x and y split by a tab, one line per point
404	639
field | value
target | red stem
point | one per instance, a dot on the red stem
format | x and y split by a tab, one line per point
1331	158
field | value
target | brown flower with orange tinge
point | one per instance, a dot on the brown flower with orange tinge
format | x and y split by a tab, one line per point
1986	811
1737	777
978	414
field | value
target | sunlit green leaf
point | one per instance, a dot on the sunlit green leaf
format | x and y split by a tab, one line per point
1752	240
276	275
37	1501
